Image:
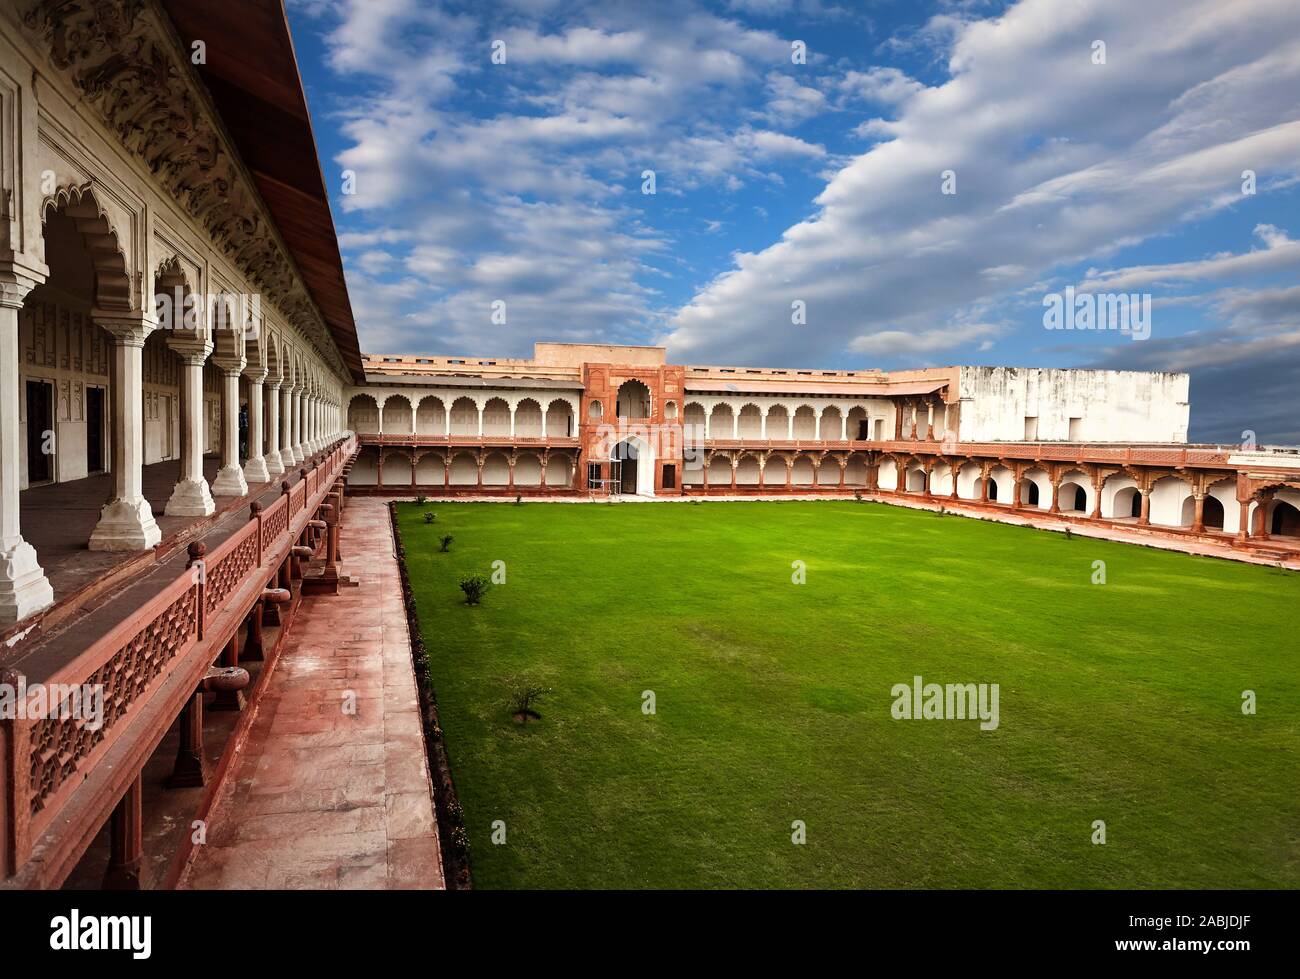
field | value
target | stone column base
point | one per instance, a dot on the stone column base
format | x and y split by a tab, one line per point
191	498
125	525
286	459
230	482
256	470
274	464
24	589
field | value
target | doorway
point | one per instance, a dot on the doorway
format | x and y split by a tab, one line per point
40	432
94	430
632	468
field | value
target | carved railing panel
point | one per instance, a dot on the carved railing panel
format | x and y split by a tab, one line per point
275	521
124	670
228	566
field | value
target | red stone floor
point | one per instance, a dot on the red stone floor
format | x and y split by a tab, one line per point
58	518
95	590
321	797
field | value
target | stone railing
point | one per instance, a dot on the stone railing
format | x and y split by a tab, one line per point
62	772
435	441
1172	456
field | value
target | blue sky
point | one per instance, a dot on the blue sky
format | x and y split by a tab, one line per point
822	183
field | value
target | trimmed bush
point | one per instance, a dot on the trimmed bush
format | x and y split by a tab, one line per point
475	586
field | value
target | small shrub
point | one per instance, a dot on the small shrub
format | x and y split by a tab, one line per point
857	495
1069	534
445	540
475	586
430	516
522	698
519	500
421	499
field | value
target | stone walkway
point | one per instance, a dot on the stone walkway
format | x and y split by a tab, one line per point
321	797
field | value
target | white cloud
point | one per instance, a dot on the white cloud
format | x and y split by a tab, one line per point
1279	252
1126	150
790	103
887	85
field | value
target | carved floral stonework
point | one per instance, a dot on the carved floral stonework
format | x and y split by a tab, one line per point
128	69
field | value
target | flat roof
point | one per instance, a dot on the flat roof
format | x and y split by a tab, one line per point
778	385
472	381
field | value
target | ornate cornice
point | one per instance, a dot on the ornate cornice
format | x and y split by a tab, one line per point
125	59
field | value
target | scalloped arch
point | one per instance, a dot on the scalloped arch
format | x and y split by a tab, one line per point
79	203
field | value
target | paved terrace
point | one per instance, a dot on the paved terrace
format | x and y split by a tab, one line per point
323	798
58	519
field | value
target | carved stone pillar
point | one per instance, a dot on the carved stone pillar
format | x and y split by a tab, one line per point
126	522
295	442
230	478
24	589
287	459
191	496
274	460
255	467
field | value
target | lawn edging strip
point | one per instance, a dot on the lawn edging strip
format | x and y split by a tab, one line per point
452	837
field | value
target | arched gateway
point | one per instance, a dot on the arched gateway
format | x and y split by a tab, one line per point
632	467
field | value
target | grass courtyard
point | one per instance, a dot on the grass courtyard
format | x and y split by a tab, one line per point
1118	702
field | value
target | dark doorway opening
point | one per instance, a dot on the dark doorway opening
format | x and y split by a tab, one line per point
670	477
1136	508
623	468
1212	514
94	430
993	488
1033	494
1081	499
1286	520
40	432
864	430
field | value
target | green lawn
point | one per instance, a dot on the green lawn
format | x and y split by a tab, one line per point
1118	702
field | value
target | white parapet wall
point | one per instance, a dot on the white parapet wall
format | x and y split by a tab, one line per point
1006	404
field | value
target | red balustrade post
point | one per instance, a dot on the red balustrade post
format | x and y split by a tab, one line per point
196	551
126	841
15	786
255	513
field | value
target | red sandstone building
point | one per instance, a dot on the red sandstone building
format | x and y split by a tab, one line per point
178	504
1105	448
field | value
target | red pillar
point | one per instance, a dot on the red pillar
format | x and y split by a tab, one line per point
126	841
